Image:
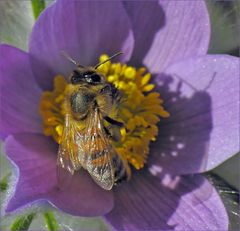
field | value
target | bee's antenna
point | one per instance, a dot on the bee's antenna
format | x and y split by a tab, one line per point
64	53
107	60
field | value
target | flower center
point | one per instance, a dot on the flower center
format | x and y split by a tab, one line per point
140	111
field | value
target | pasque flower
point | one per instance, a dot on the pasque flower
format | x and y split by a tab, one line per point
199	91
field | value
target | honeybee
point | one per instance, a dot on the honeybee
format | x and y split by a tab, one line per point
86	139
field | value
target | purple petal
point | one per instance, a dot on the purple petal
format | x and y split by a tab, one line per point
168	31
84	30
35	157
181	203
202	96
19	93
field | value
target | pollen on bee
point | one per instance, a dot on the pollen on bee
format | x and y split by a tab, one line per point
123	133
59	129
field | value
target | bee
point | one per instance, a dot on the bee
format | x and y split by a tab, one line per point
86	140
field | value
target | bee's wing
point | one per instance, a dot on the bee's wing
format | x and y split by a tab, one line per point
99	152
67	151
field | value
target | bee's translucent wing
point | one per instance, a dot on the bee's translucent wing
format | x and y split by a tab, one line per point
88	147
67	152
98	152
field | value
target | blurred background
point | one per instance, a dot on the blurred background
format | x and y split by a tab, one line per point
16	20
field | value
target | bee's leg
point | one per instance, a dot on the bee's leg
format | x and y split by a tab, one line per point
107	131
114	128
113	132
113	122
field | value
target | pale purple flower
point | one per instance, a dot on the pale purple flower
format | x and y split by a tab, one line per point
200	92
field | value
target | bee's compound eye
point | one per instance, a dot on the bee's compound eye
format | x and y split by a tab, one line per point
95	78
92	77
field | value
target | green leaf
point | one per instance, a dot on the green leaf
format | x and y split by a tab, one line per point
16	21
224	26
50	221
38	6
4	183
23	222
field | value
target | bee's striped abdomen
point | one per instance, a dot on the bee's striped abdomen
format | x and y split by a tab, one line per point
120	172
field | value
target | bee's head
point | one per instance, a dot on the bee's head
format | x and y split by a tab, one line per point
85	75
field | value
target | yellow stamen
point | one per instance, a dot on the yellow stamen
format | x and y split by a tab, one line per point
140	110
